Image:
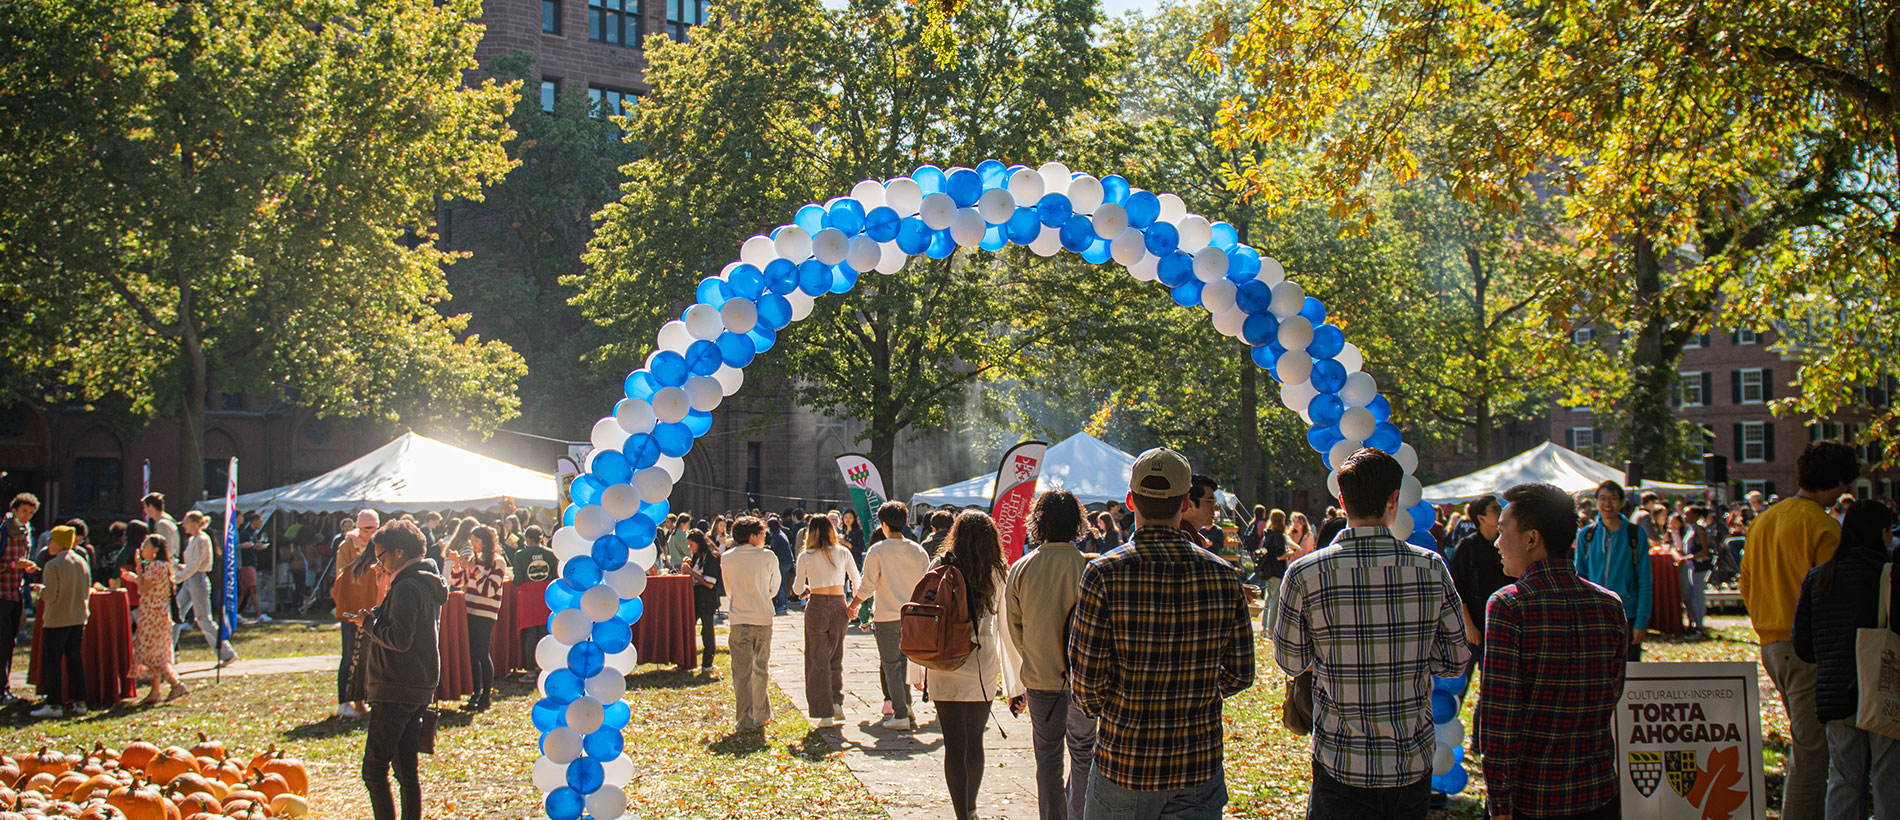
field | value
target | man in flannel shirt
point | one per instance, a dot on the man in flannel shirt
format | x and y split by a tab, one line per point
1375	618
15	545
1160	636
1554	645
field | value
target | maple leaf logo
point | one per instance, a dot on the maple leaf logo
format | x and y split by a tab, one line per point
1713	791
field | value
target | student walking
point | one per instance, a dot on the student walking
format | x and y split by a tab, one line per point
823	570
751	579
1041	589
964	695
892	568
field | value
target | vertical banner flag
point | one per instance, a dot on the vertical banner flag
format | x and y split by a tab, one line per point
230	553
145	481
564	474
867	488
1015	490
1688	742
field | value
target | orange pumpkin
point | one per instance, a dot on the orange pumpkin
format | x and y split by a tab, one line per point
228	773
244	808
206	747
9	773
98	785
169	764
290	768
199	803
7	798
258	760
38	782
100	811
137	755
140	800
271	785
46	760
188	783
100	751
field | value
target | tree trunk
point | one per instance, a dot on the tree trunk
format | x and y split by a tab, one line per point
1247	432
1481	348
191	414
884	431
1649	422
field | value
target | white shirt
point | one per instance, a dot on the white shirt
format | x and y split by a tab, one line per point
824	568
751	580
892	568
165	526
197	558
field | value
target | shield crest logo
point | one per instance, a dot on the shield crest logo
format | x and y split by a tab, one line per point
1681	770
1646	771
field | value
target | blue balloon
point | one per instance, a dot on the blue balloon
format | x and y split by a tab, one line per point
561	595
1225	237
1161	238
549	714
582	572
747	282
942	244
640	385
993	173
843	278
1115	189
735	350
1187	294
699	422
616	715
930	178
1328	375
565	803
714	291
881	223
993	239
668	368
1453	781
610	552
1263	357
1077	233
812	218
631	610
586	490
1322	437
762	338
585	775
1423	516
565	685
1024	226
813	279
653	512
1326	408
675	440
964	186
637	529
611	467
1143	209
1175	269
1381	408
1313	310
586	659
1097	253
1385	436
781	276
613	635
913	236
847	215
1054	210
1328	341
1260	329
703	359
774	311
1255	297
567	515
1444	705
605	743
1243	264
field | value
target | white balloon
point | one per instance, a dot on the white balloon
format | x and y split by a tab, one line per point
802	304
1172	209
1294	366
869	193
568	543
1296	332
550	653
1356	425
1402	524
996	206
644	557
635	416
864	253
1360	389
938	211
1442	759
903	195
1047	242
1230	321
673	336
967	227
891	259
1210	264
1195	233
703	393
628	581
830	246
673	465
562	745
620	500
1110	219
793	243
1055	178
1085	194
607	434
1297	395
1271	272
702	321
1350	358
1410	491
549	775
1128	248
1332	485
739	315
758	251
1288	298
1147	268
1218	296
618	771
570	626
626	659
1026	186
654	484
671	404
600	603
608	803
1342	451
593	522
584	715
607	686
1408	458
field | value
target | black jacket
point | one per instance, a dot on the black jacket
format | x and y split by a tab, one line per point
1477	571
1825	626
404	664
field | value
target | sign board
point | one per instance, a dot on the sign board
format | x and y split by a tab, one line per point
1015	490
1688	741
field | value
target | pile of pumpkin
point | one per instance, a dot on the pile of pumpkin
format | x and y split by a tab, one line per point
145	782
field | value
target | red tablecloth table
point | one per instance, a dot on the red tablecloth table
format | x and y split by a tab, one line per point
664	633
505	647
458	680
107	648
1666	613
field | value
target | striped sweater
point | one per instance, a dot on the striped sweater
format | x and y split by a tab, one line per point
482	586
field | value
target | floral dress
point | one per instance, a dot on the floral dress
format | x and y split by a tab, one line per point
152	647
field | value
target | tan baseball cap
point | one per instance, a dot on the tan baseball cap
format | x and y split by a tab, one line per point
1161	473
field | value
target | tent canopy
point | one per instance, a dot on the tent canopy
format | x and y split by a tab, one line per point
413	474
1082	464
1549	463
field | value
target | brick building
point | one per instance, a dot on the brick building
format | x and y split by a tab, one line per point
585	44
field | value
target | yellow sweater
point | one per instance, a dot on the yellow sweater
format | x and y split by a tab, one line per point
1784	542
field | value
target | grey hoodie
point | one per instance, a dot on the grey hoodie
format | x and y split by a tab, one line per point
404	662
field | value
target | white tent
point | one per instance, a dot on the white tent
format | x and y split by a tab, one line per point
1549	463
1081	464
414	473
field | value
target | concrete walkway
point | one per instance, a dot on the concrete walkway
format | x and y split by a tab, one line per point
904	770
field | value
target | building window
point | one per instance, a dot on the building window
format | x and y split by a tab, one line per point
1755	487
1754	442
96	485
1583	336
620	22
1692	388
1697	444
1751	386
682	15
1583	439
550	16
1695	341
550	91
609	101
217	474
1745	337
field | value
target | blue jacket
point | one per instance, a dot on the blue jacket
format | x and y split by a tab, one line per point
1609	563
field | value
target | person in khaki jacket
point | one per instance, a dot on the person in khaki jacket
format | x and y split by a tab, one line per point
358	587
65	590
1041	588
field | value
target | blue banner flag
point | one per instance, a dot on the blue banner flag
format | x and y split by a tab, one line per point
230	553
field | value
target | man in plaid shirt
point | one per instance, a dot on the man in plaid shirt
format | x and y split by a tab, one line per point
1160	636
1553	671
1375	618
15	545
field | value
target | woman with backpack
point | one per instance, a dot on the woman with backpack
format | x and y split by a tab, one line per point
823	569
963	695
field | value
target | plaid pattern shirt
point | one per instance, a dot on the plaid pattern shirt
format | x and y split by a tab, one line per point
16	544
1376	618
1553	672
1159	637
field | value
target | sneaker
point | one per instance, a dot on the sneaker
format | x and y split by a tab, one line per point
263	618
76	710
823	722
705	670
896	724
346	711
48	711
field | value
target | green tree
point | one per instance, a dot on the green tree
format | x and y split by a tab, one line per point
245	189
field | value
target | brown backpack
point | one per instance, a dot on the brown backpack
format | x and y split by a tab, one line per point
936	628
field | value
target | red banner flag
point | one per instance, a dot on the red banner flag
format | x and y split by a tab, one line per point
1015	490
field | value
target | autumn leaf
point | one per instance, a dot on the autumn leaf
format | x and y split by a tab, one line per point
1712	790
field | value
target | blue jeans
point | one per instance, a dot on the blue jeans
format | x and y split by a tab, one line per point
1863	772
1056	723
1107	801
194	606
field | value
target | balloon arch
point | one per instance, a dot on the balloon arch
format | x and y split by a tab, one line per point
606	543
